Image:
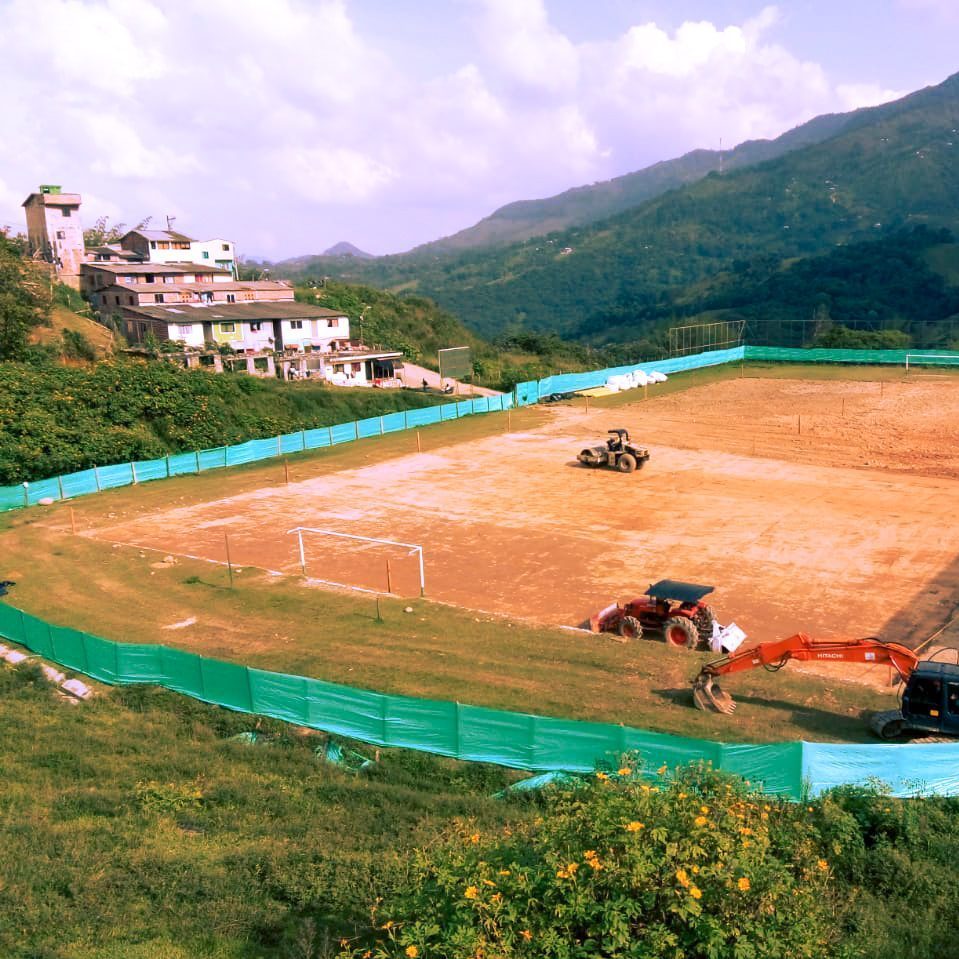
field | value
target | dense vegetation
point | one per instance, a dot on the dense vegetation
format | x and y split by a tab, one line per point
56	419
886	168
146	825
25	299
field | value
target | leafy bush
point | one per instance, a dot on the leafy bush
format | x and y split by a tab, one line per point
696	865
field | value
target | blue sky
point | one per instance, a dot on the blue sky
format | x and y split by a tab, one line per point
288	125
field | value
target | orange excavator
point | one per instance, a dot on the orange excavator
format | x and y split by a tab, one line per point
930	695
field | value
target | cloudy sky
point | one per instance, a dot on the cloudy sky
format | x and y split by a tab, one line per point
288	125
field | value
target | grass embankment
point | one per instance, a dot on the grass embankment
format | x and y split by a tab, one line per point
55	419
133	828
437	651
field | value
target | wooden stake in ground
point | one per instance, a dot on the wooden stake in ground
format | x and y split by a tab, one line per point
587	404
799	424
419	445
389	578
73	521
229	563
844	406
286	471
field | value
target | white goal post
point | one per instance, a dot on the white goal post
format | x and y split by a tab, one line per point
413	548
932	359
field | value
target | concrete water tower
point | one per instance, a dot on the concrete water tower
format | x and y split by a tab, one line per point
55	232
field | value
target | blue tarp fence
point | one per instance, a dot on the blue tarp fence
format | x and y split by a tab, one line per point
540	744
126	474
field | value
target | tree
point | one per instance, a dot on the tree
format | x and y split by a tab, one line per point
101	233
25	300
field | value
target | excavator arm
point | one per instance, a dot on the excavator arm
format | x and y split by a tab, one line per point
774	655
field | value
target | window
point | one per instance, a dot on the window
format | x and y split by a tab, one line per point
130	299
185	330
227	327
157	297
334	323
169	279
61	235
67	211
153	244
249	296
231	298
149	278
206	254
952	698
296	324
226	247
256	327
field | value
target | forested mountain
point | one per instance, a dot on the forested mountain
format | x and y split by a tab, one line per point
879	170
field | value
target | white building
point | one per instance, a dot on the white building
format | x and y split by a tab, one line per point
168	246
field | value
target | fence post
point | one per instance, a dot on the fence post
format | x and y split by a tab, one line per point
330	430
356	429
60	486
279	446
303	439
133	469
96	476
168	466
382	427
198	461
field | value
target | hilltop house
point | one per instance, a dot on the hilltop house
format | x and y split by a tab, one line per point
285	339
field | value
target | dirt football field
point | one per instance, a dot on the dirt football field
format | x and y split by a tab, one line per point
830	507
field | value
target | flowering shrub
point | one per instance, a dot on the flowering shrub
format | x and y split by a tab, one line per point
684	866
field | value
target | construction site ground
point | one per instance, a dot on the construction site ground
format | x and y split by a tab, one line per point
824	506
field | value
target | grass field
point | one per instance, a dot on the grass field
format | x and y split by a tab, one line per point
441	650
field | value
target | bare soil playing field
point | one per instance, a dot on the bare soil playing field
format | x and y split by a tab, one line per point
827	507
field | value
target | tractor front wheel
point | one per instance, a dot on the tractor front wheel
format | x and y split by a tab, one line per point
630	628
627	463
680	633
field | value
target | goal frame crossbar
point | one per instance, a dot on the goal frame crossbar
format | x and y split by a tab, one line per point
412	547
918	358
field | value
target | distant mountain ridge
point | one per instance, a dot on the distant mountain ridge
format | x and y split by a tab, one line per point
343	248
838	179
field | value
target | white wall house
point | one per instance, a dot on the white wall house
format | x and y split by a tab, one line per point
324	333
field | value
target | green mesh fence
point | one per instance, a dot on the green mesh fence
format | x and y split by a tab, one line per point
517	740
126	474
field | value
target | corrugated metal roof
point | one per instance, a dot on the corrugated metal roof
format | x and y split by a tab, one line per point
230	312
161	235
236	287
181	269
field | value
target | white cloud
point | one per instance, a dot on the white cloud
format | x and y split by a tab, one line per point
288	127
524	45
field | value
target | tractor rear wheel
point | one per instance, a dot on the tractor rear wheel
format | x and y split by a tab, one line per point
703	621
627	463
630	628
888	725
680	633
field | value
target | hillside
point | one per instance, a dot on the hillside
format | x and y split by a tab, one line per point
524	219
879	169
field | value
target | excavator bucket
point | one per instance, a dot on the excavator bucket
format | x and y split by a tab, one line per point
709	697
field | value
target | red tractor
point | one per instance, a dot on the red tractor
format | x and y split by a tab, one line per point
673	607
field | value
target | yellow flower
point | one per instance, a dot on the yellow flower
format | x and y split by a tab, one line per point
475	838
412	952
682	795
344	943
682	877
589	854
562	874
743	884
662	770
823	865
504	872
634	826
572	867
471	892
497	897
602	777
594	864
526	934
745	831
695	870
704	809
695	892
488	882
700	820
